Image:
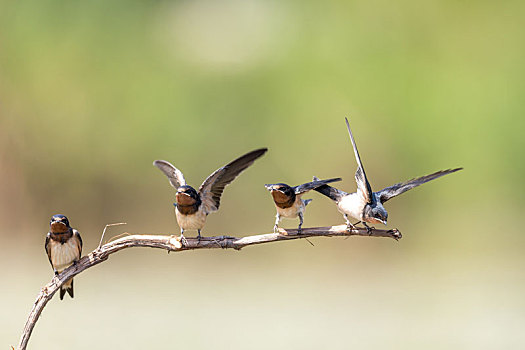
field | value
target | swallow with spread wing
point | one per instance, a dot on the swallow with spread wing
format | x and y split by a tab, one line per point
288	201
366	205
63	248
192	207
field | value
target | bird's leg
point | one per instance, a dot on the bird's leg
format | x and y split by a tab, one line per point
368	228
199	235
299	229
55	271
276	226
349	225
183	239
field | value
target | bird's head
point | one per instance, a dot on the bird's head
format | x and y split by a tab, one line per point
281	193
59	223
186	195
376	214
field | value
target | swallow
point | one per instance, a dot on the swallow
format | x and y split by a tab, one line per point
288	201
366	205
63	248
191	206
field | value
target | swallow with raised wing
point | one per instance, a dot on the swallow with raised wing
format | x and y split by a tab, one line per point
366	205
63	248
191	206
288	201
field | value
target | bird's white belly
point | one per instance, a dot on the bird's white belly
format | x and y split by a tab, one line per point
293	211
352	205
191	222
288	213
63	255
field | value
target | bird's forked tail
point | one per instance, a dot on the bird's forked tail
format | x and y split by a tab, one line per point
66	287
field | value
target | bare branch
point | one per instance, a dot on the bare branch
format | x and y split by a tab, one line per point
173	244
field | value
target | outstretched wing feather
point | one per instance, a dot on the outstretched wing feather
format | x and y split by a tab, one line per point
395	190
363	185
212	188
312	185
174	175
329	191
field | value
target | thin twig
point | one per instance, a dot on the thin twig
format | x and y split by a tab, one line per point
172	243
313	245
104	231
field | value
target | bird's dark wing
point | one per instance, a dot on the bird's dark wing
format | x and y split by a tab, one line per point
395	190
363	186
48	248
329	191
77	234
174	175
314	184
211	189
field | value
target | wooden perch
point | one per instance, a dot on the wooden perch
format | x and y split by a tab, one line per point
173	244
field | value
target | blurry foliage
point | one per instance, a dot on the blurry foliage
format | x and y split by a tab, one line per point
92	92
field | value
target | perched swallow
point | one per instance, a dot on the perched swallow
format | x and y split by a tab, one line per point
63	248
192	207
365	205
288	201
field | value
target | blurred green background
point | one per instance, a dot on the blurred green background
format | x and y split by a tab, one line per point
92	92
